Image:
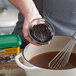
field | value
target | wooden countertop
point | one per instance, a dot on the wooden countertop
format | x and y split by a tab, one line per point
9	65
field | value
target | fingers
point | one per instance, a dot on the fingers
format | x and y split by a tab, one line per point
48	43
27	38
26	35
28	23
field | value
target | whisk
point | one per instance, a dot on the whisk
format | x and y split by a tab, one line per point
62	58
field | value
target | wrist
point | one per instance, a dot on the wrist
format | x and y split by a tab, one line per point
25	6
30	8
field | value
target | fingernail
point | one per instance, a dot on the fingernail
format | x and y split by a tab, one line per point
48	43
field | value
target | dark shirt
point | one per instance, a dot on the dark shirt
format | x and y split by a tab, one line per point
61	13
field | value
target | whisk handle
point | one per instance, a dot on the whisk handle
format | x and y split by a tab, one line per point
74	36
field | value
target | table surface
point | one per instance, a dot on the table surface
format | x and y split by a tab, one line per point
11	69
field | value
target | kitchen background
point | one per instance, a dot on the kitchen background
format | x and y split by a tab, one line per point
8	17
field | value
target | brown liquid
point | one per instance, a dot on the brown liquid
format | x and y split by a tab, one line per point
42	60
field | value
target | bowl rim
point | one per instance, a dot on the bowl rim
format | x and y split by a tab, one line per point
41	67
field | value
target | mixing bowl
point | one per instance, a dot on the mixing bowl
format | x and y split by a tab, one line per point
57	43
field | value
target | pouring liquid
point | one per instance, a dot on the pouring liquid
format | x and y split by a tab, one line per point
42	60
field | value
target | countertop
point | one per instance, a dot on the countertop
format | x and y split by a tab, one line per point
11	69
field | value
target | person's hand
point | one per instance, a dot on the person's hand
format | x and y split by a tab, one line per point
32	14
29	11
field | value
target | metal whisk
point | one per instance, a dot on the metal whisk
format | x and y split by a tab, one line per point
62	58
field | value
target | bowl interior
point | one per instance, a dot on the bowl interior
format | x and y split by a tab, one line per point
57	43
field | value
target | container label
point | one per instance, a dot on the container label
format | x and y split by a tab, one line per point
10	50
8	54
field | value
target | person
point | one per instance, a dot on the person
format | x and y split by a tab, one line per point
61	13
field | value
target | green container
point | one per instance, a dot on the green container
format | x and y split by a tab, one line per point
10	40
9	47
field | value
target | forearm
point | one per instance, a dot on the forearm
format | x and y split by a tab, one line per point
25	6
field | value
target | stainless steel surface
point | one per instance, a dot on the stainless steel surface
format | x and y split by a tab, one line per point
5	3
8	19
6	30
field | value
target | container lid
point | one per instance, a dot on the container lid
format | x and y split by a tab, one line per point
10	40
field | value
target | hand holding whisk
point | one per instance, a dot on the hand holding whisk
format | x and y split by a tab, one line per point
62	58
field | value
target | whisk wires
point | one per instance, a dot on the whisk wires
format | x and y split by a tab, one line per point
62	58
